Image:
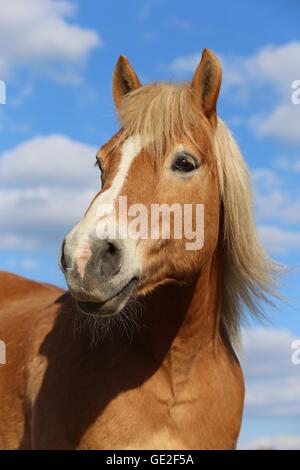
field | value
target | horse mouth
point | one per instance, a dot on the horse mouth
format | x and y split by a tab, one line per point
111	306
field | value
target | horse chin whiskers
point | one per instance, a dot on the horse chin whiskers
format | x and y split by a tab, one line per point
100	328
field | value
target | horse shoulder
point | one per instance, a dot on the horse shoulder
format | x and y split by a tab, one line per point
22	303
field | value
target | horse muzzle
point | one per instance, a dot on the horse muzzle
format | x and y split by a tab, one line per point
101	277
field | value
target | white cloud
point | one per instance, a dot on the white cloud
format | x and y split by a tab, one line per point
46	184
272	380
185	64
277	240
277	203
279	442
37	35
277	208
266	179
272	204
282	123
276	64
52	160
288	164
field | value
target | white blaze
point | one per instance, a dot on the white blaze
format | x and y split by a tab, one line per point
103	204
130	149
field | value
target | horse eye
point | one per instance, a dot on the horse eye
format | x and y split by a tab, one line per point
184	163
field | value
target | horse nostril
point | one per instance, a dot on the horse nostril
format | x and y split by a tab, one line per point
62	261
110	258
111	249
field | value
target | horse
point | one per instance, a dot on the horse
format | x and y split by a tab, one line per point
174	381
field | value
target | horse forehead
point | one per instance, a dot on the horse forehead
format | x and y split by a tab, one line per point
130	149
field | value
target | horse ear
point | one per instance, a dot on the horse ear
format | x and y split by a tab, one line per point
206	84
125	80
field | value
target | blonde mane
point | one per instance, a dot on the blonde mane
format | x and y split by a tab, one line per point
250	275
161	111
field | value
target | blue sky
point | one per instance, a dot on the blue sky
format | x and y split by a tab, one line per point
57	60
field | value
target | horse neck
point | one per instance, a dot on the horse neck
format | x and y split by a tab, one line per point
184	321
